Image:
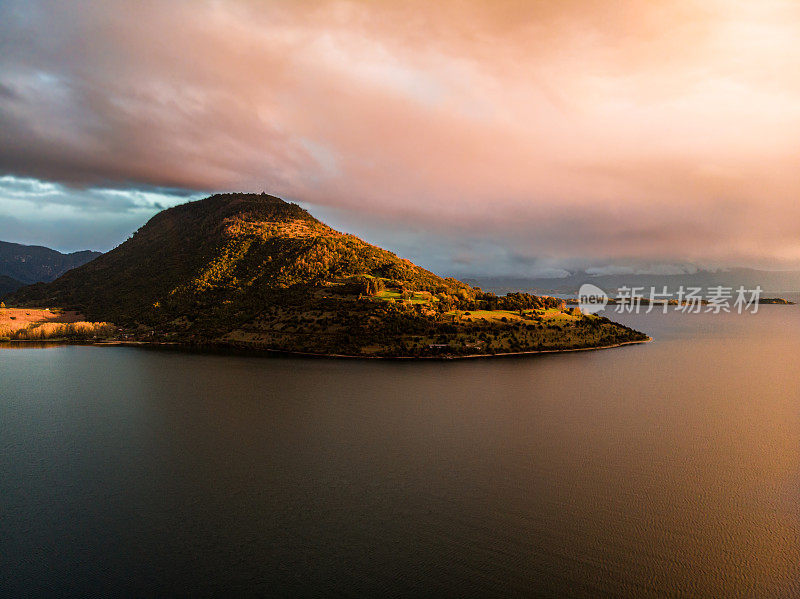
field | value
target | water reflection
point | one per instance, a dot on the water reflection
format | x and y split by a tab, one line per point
668	468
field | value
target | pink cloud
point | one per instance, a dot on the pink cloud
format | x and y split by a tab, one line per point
639	129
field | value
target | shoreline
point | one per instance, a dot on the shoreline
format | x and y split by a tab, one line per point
442	357
213	347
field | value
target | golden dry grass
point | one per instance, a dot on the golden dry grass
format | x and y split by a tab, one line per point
60	330
32	324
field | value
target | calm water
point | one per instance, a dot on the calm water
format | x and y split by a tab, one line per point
671	469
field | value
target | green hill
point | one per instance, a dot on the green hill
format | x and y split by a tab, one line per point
249	269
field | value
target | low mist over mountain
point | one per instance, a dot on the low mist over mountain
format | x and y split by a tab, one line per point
770	281
33	264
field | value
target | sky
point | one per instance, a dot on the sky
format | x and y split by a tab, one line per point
501	137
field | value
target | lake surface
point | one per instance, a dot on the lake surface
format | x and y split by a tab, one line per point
667	469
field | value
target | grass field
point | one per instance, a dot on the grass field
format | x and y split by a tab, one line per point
415	298
36	324
513	315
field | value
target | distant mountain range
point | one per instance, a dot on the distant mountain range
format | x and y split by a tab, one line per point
26	264
770	281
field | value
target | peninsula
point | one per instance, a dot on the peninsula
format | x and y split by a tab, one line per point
254	271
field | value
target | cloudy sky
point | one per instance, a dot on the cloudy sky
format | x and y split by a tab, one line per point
474	137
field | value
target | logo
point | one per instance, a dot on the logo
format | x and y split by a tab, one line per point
591	299
687	300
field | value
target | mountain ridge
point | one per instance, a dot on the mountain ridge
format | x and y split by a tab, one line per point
35	263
